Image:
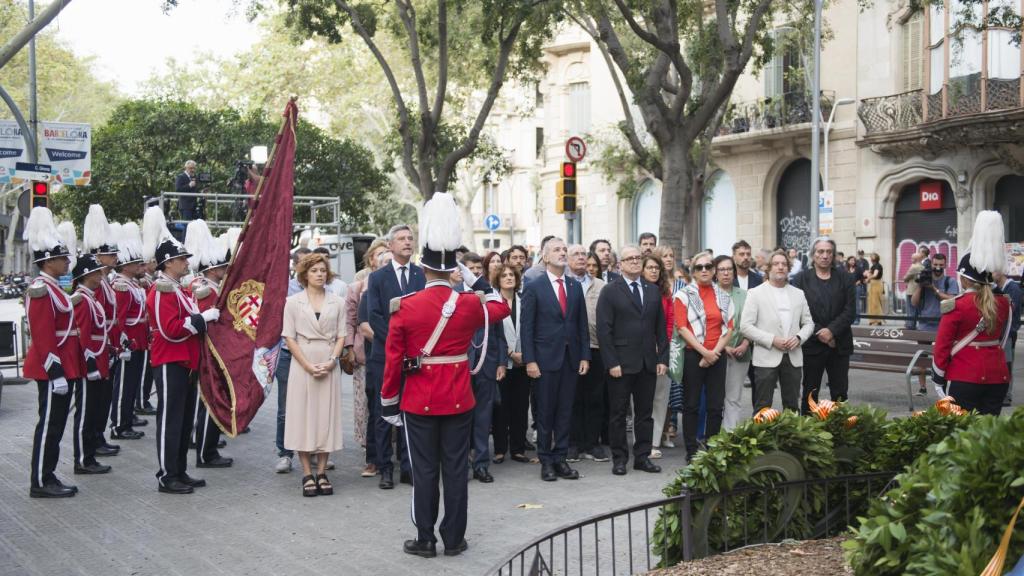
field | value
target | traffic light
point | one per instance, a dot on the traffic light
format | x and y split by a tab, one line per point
566	189
40	194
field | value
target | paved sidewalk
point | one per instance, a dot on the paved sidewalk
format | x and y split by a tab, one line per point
250	520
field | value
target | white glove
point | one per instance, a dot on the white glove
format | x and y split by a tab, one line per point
468	277
211	315
393	420
92	376
125	355
59	386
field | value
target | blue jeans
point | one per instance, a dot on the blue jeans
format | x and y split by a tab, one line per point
284	364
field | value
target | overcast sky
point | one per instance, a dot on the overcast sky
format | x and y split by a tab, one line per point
132	39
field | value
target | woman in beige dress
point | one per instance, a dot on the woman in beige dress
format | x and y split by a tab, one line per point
314	329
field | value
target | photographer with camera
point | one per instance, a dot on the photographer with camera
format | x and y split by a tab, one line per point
912	286
933	287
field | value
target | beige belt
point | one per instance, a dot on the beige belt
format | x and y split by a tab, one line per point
63	333
98	338
987	344
444	359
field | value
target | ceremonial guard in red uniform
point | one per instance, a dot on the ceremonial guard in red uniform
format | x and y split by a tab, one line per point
130	333
427	377
210	258
969	363
54	358
91	320
176	326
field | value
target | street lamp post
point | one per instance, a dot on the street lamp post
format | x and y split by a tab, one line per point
815	121
828	127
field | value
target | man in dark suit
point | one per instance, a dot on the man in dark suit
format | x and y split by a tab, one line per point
831	296
634	346
396	280
556	349
603	249
186	182
747	276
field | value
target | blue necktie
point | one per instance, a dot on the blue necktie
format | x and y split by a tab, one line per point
636	295
404	284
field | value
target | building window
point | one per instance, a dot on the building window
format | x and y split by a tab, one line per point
912	53
538	96
539	141
785	72
579	108
647	208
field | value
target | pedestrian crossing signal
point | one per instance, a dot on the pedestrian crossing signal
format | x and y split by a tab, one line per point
40	194
565	199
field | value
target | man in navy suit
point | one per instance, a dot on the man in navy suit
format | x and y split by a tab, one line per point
556	349
400	278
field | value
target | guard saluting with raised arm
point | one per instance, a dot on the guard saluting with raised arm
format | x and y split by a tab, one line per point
54	358
210	257
176	326
426	363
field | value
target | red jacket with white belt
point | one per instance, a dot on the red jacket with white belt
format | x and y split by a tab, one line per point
175	324
55	350
982	361
130	329
435	389
91	320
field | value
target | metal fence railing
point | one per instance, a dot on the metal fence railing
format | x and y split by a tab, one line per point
623	541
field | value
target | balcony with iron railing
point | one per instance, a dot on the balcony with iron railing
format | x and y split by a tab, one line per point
966	102
773	114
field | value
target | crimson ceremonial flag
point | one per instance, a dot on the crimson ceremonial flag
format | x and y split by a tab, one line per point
241	349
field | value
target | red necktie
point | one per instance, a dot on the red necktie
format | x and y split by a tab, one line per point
561	295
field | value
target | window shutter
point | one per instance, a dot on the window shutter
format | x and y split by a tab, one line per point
913	53
774	69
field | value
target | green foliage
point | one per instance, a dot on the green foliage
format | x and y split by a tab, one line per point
68	90
146	142
950	507
906	438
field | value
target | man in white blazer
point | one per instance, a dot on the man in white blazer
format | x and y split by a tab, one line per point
777	320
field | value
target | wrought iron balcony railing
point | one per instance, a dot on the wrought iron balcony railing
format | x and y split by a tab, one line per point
775	112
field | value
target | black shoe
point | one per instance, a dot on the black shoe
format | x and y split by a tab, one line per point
146	410
174	486
646	465
573	455
190	481
106	450
52	491
421	549
456	550
482	475
520	458
246	430
215	462
387	480
128	434
140	422
222	443
405	478
71	487
921	392
619	468
565	471
92	468
1007	401
547	473
598	454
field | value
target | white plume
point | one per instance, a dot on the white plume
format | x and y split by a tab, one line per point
200	243
96	230
440	223
68	235
41	231
129	243
115	234
988	252
230	239
154	231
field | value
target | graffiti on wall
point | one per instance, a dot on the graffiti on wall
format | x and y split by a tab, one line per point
906	248
795	232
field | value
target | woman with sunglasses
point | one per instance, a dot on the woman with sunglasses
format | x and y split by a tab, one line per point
703	315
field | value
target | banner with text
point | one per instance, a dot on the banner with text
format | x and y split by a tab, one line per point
66	147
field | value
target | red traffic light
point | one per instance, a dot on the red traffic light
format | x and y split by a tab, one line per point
568	169
40	188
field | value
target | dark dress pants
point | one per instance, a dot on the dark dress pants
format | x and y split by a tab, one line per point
207	435
555	390
87	414
985	398
485	391
146	386
53	416
176	397
438	451
512	413
127	379
105	396
372	408
588	406
639	387
381	428
815	365
710	381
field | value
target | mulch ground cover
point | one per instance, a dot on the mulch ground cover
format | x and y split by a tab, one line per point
818	557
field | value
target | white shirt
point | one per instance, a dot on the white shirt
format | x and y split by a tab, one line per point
639	287
554	284
798	265
743	281
339	288
784	308
398	273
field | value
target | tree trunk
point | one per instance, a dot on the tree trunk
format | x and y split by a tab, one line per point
9	254
675	187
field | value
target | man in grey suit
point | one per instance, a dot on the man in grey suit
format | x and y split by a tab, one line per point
777	320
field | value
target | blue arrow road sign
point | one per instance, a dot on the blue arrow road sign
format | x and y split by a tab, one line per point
493	222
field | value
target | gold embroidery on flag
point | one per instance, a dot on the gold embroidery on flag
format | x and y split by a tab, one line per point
244	303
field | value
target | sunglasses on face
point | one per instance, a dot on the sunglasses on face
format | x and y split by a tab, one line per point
633	259
703	267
